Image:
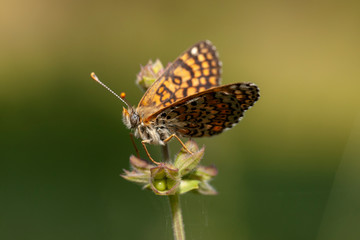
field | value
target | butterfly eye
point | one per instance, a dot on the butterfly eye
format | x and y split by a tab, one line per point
134	119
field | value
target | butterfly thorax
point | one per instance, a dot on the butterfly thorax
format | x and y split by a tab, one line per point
152	131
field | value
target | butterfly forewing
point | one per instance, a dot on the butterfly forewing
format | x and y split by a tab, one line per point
196	70
210	112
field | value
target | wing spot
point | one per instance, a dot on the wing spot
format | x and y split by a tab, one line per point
197	74
177	80
244	106
205	65
184	57
191	91
194	51
203	81
217	128
190	61
161	89
221	117
195	67
201	58
195	82
204	50
212	81
207	72
240	97
219	123
221	105
225	111
179	94
166	95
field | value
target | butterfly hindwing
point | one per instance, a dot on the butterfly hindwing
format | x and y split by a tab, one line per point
210	112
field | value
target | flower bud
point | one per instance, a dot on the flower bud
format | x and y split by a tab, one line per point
164	179
149	73
184	175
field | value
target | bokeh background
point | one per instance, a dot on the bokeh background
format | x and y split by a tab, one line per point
290	170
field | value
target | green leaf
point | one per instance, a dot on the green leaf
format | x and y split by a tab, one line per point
188	185
139	164
187	163
206	172
206	189
136	176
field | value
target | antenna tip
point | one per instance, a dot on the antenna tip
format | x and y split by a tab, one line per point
122	95
93	76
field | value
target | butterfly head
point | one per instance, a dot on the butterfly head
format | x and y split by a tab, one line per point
130	118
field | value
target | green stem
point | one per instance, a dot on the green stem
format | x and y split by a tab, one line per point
174	200
177	220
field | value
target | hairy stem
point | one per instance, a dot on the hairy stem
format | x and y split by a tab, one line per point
174	200
165	153
177	220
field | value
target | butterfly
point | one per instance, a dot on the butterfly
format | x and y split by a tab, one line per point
188	101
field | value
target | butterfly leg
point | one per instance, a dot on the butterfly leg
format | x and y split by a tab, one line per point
181	142
133	143
147	152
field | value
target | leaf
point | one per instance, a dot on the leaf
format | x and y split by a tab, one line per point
187	163
188	185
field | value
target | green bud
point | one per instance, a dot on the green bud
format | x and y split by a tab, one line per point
160	184
167	179
168	175
187	162
149	73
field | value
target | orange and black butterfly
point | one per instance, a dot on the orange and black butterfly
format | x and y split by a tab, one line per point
188	101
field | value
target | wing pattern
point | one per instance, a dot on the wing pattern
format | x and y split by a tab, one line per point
196	70
210	112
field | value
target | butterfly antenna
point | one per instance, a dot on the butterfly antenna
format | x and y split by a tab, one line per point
122	95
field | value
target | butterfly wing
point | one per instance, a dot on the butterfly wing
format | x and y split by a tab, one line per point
196	70
210	112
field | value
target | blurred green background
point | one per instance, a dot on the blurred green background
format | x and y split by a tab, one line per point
289	170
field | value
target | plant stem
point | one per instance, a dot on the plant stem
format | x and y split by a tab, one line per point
174	200
165	153
177	220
